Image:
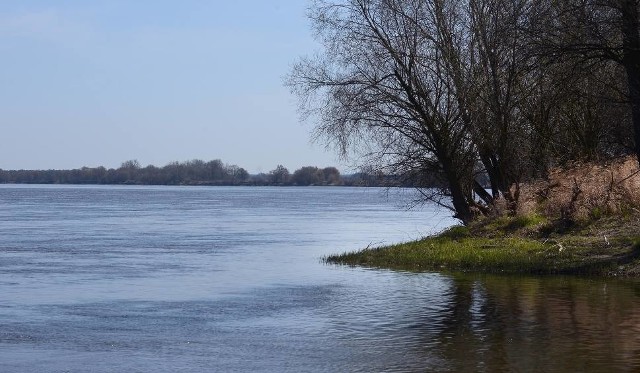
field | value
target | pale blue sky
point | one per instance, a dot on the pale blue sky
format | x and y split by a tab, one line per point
89	83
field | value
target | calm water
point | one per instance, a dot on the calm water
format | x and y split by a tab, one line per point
166	279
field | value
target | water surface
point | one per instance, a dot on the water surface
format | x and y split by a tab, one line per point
165	279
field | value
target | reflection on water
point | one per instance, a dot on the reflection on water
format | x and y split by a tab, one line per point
471	323
541	324
160	279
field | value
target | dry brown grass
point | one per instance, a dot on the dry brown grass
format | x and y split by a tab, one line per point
585	191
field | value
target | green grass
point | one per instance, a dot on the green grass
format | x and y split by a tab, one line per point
504	245
527	221
477	254
507	225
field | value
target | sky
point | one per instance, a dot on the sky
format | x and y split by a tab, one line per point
98	82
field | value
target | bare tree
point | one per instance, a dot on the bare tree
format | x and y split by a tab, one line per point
382	91
425	86
591	34
486	56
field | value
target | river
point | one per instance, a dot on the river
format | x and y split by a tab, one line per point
230	279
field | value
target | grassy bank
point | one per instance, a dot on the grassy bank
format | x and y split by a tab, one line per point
582	219
607	246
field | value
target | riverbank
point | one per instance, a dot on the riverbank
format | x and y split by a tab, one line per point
581	219
607	246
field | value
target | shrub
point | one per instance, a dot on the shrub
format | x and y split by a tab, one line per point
585	191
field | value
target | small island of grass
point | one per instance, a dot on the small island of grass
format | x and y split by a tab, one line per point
586	223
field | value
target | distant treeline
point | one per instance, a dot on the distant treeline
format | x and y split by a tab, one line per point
197	172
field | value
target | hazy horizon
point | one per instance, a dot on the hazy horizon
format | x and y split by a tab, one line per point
91	84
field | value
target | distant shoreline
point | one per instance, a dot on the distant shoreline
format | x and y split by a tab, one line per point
208	185
201	173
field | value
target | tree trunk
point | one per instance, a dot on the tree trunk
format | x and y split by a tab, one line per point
631	62
459	199
460	203
486	197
